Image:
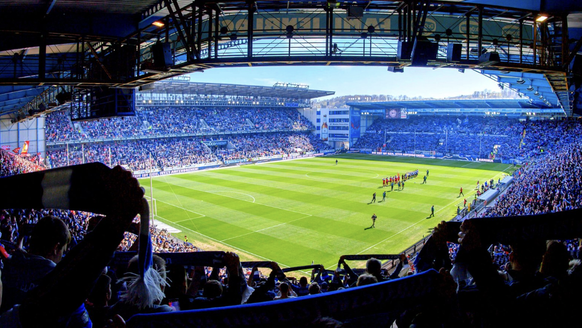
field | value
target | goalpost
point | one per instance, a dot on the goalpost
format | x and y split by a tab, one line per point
151	199
153	205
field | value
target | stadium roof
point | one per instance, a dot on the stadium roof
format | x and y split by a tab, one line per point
536	87
457	103
513	107
51	46
291	91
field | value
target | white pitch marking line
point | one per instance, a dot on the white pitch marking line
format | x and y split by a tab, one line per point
231	246
285	209
203	215
183	208
236	192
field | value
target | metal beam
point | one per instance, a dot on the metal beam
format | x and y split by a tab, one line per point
572	54
181	27
96	57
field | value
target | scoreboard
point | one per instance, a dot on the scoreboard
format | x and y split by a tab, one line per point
395	113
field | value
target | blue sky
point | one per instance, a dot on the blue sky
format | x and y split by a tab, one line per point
350	80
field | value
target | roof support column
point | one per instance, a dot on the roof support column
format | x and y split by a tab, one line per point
210	30
480	32
181	28
216	32
468	34
521	41
535	45
250	30
329	46
198	12
42	57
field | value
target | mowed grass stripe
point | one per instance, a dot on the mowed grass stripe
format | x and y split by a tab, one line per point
452	191
440	176
322	196
326	192
205	223
273	214
226	203
275	208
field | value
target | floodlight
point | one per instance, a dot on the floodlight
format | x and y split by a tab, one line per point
541	18
520	81
158	23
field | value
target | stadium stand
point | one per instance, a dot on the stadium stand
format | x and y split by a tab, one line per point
545	195
491	271
175	121
184	137
483	137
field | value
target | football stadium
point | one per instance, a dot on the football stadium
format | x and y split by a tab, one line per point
133	194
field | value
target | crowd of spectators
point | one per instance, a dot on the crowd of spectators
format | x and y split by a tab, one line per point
498	137
174	121
58	127
164	138
260	145
548	182
16	223
162	154
11	164
137	155
162	242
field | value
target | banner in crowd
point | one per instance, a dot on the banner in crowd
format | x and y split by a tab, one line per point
324	128
215	142
388	153
168	172
25	148
383	301
210	258
354	123
229	162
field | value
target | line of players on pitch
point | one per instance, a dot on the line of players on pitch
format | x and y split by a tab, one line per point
399	180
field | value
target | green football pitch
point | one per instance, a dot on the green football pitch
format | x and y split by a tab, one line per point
298	211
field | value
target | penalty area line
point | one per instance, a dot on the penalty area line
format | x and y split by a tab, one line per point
229	245
234	192
185	209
